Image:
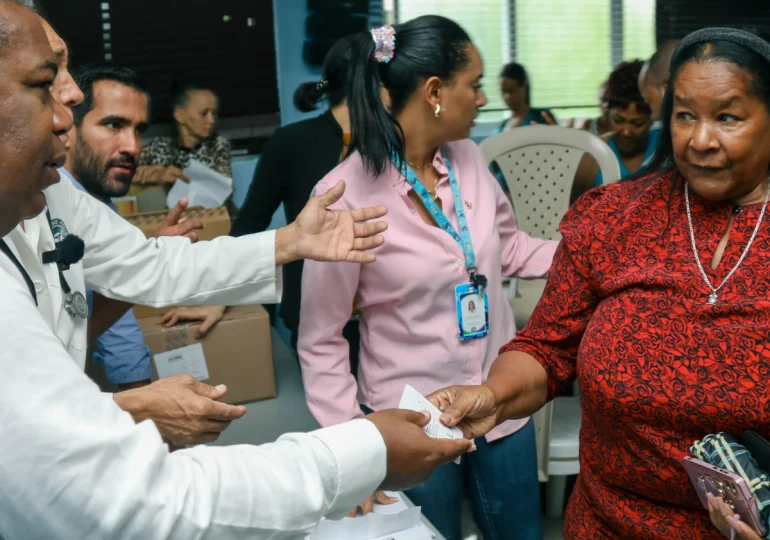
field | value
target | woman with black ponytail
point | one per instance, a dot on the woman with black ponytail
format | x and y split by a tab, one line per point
452	237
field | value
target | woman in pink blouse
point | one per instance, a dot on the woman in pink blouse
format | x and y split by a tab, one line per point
420	163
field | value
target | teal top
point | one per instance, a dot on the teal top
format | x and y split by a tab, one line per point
533	116
652	143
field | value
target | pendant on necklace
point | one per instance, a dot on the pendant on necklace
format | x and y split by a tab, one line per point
712	299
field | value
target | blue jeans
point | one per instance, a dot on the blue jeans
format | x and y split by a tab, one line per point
501	477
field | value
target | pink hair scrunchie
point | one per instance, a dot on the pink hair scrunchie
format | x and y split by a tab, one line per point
384	43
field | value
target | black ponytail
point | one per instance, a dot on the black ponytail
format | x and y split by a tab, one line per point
375	133
429	46
309	94
333	85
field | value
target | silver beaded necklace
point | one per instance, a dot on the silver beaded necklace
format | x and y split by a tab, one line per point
713	297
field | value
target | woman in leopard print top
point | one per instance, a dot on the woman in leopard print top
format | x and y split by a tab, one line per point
195	111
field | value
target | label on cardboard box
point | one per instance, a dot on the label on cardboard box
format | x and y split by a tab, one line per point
188	359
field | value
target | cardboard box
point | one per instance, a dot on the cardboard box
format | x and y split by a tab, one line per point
126	205
237	352
216	223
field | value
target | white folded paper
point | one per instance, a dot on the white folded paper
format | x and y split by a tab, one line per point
415	401
394	521
207	187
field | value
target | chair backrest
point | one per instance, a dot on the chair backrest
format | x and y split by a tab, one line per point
539	164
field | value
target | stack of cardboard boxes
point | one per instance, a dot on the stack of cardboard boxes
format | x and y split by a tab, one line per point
237	352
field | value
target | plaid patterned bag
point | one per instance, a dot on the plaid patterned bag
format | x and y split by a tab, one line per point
722	450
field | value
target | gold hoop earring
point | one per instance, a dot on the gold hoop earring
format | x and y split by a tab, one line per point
437	112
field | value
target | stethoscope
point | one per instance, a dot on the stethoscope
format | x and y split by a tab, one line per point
68	251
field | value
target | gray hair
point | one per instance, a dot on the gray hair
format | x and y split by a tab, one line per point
746	39
32	5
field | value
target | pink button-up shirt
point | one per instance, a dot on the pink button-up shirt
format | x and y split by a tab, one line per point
409	329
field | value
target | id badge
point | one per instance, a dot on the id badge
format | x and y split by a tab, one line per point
472	312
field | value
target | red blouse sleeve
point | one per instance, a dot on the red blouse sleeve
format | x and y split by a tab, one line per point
552	335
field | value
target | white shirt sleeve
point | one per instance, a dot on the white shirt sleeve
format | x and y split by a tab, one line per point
121	263
76	466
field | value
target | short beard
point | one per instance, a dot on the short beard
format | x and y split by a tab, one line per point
91	171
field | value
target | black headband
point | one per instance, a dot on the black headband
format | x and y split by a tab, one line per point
733	35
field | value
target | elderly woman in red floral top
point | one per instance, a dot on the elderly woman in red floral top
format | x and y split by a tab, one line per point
659	304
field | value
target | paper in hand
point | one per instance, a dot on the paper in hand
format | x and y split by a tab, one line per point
414	401
207	187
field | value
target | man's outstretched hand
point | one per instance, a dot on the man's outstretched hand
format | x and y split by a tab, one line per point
331	235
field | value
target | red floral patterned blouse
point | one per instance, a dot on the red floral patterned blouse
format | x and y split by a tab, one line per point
625	311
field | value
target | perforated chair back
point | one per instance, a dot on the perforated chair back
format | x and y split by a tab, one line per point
539	164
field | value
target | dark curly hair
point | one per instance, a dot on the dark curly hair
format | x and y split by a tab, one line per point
622	89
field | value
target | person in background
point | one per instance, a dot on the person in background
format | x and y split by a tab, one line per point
515	88
601	124
657	304
653	80
415	157
631	139
292	162
196	108
630	120
106	140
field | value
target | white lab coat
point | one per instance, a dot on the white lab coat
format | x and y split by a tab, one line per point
74	465
120	263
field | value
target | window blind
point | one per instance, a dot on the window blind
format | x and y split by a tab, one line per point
487	22
566	46
638	29
226	44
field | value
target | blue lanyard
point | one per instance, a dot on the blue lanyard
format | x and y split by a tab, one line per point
463	239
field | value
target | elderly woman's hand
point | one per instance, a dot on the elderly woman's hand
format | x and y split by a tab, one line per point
728	522
473	409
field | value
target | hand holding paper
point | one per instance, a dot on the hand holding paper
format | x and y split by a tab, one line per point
471	408
414	401
206	187
412	456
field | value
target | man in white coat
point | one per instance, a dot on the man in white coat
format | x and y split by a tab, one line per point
184	410
74	464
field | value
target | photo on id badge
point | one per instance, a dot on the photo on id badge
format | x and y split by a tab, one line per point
472	312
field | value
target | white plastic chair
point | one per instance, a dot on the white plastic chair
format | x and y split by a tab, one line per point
557	435
539	164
